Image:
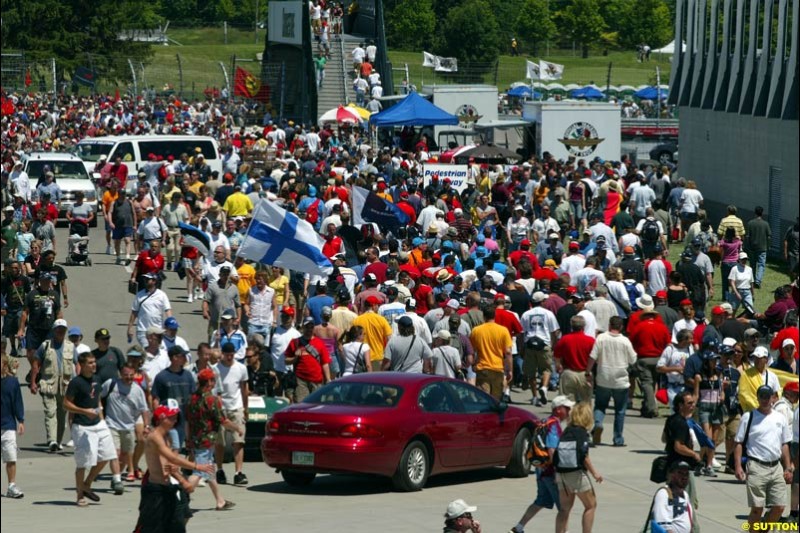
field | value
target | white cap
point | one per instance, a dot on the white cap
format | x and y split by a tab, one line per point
562	401
742	255
443	334
457	508
553	235
453	303
760	351
539	296
60	323
729	341
727	307
788	342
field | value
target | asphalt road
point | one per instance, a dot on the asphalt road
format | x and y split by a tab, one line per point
332	503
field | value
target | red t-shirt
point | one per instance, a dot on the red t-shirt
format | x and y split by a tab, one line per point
378	268
573	349
518	255
308	367
51	209
697	334
332	247
650	336
508	320
146	263
636	317
421	293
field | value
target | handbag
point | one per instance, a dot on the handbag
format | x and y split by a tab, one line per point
360	366
133	286
730	462
658	470
457	372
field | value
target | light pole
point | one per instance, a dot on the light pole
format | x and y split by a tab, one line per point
256	24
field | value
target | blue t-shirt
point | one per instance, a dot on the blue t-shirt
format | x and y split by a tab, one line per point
176	385
315	305
553	436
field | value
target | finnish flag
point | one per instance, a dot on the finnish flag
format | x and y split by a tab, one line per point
277	237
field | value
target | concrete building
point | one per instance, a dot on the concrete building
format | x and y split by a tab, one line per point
737	89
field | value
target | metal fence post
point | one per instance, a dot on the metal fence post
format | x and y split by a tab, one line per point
133	73
180	76
142	78
55	79
227	81
283	88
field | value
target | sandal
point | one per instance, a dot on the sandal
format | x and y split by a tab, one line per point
227	506
130	478
91	495
82	502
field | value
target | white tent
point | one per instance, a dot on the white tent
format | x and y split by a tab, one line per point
669	49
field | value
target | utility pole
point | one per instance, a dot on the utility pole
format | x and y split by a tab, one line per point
256	24
608	81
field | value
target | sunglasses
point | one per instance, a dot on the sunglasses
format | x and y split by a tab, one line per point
467	516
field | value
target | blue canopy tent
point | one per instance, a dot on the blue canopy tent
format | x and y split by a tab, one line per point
589	93
413	110
524	92
651	93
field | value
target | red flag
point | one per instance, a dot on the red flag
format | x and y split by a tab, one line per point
245	84
116	96
28	79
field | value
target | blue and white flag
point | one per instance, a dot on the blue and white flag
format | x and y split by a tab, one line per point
369	207
193	236
277	237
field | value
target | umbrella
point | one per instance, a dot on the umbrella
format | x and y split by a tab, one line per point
651	93
341	115
363	113
588	93
488	153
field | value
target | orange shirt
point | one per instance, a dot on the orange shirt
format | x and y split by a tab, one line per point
108	199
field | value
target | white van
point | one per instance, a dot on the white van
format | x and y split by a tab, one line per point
70	174
134	150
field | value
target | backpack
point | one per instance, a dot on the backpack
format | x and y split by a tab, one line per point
312	212
163	173
650	232
572	450
633	293
537	451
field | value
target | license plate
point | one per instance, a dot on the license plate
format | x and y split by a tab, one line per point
303	458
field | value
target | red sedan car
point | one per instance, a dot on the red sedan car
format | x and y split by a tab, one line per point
403	426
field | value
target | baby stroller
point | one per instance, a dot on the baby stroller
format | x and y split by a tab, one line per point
78	244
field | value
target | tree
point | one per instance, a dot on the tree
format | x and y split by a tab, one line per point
472	35
78	33
648	22
411	25
535	23
583	22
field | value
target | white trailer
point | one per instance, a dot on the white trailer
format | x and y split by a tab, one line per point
472	104
583	130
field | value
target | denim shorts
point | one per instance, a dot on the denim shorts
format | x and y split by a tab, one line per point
203	456
547	492
710	413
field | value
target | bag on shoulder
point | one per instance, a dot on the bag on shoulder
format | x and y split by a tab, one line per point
650	232
633	293
360	365
133	287
572	450
537	451
658	469
535	343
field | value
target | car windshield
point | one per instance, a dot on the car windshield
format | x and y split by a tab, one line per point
355	393
61	169
93	151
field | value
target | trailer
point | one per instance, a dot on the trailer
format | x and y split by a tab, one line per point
472	104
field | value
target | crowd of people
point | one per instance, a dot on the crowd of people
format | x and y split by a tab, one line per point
582	282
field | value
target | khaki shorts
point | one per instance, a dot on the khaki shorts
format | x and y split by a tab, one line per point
765	485
237	417
732	426
304	388
491	382
536	361
572	383
574	482
124	440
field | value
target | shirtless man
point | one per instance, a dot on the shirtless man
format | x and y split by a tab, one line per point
159	510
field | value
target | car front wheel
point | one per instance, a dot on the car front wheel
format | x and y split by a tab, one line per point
298	479
412	471
520	465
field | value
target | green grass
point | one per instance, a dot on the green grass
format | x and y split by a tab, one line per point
775	275
215	36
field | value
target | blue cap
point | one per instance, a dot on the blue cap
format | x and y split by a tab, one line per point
697	241
480	238
447	245
74	331
312	191
417	241
658	248
710	354
171	323
480	250
228	313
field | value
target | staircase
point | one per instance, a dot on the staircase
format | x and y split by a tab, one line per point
337	89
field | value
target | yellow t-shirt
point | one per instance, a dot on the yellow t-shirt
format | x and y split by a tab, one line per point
247	280
376	333
109	198
279	284
238	205
490	342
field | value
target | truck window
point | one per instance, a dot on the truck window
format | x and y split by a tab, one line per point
92	151
125	151
165	149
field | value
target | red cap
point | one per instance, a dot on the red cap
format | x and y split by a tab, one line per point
162	412
628	250
661	295
206	375
687	301
525	242
381	185
574	246
288	311
587	172
572	290
500	296
448	180
404	194
718	310
435	177
331	174
792	386
373	300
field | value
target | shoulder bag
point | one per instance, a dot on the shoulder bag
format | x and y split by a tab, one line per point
397	367
360	365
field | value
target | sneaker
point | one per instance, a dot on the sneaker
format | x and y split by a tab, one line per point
597	435
240	479
61	447
70	444
117	487
222	479
52	447
14	492
515	530
190	298
506	397
536	402
130	477
543	395
716	464
708	472
108	250
202	483
118	260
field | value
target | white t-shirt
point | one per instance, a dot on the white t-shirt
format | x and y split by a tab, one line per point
768	434
796	426
281	337
656	276
352	351
153	364
590	328
232	378
683	323
539	322
690	200
572	263
614	353
444	360
675	516
261	306
742	277
150	309
151	228
673	356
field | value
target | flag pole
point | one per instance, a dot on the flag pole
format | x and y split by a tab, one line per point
249	226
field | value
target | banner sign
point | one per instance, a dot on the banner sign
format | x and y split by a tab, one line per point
457	174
